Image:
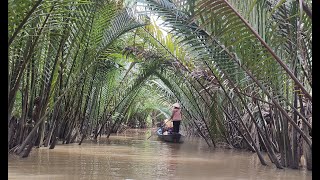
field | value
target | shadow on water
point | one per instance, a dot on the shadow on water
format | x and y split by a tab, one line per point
132	156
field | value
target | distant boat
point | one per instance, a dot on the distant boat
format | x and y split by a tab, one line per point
168	137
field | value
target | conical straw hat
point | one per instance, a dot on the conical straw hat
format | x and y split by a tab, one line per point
176	105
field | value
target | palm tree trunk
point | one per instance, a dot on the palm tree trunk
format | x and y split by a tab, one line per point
288	150
239	116
305	137
281	139
27	56
295	163
307	150
269	148
243	136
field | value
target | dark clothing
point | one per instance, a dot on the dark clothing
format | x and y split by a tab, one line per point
176	126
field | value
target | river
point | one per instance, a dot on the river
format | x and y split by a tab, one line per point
132	156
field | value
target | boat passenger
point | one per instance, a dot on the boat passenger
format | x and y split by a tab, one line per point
167	126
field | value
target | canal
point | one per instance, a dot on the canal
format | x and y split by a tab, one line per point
132	156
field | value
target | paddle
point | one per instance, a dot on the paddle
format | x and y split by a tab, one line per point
159	128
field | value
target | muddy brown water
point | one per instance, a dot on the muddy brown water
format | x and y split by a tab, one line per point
132	156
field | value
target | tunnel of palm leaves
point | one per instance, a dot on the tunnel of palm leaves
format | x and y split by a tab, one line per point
242	74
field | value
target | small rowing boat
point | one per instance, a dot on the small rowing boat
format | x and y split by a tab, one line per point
170	137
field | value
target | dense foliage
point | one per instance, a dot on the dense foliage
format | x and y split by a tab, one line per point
240	69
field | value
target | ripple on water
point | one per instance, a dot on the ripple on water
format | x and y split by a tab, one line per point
132	156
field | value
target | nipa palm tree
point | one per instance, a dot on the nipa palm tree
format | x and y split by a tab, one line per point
241	71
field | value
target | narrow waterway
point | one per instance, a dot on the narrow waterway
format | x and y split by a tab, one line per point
132	156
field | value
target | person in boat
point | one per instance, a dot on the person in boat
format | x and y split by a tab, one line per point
176	117
167	126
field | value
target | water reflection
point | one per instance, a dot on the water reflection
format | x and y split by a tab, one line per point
131	156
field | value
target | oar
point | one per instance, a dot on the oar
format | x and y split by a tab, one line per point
159	128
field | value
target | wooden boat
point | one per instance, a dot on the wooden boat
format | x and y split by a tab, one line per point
174	138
